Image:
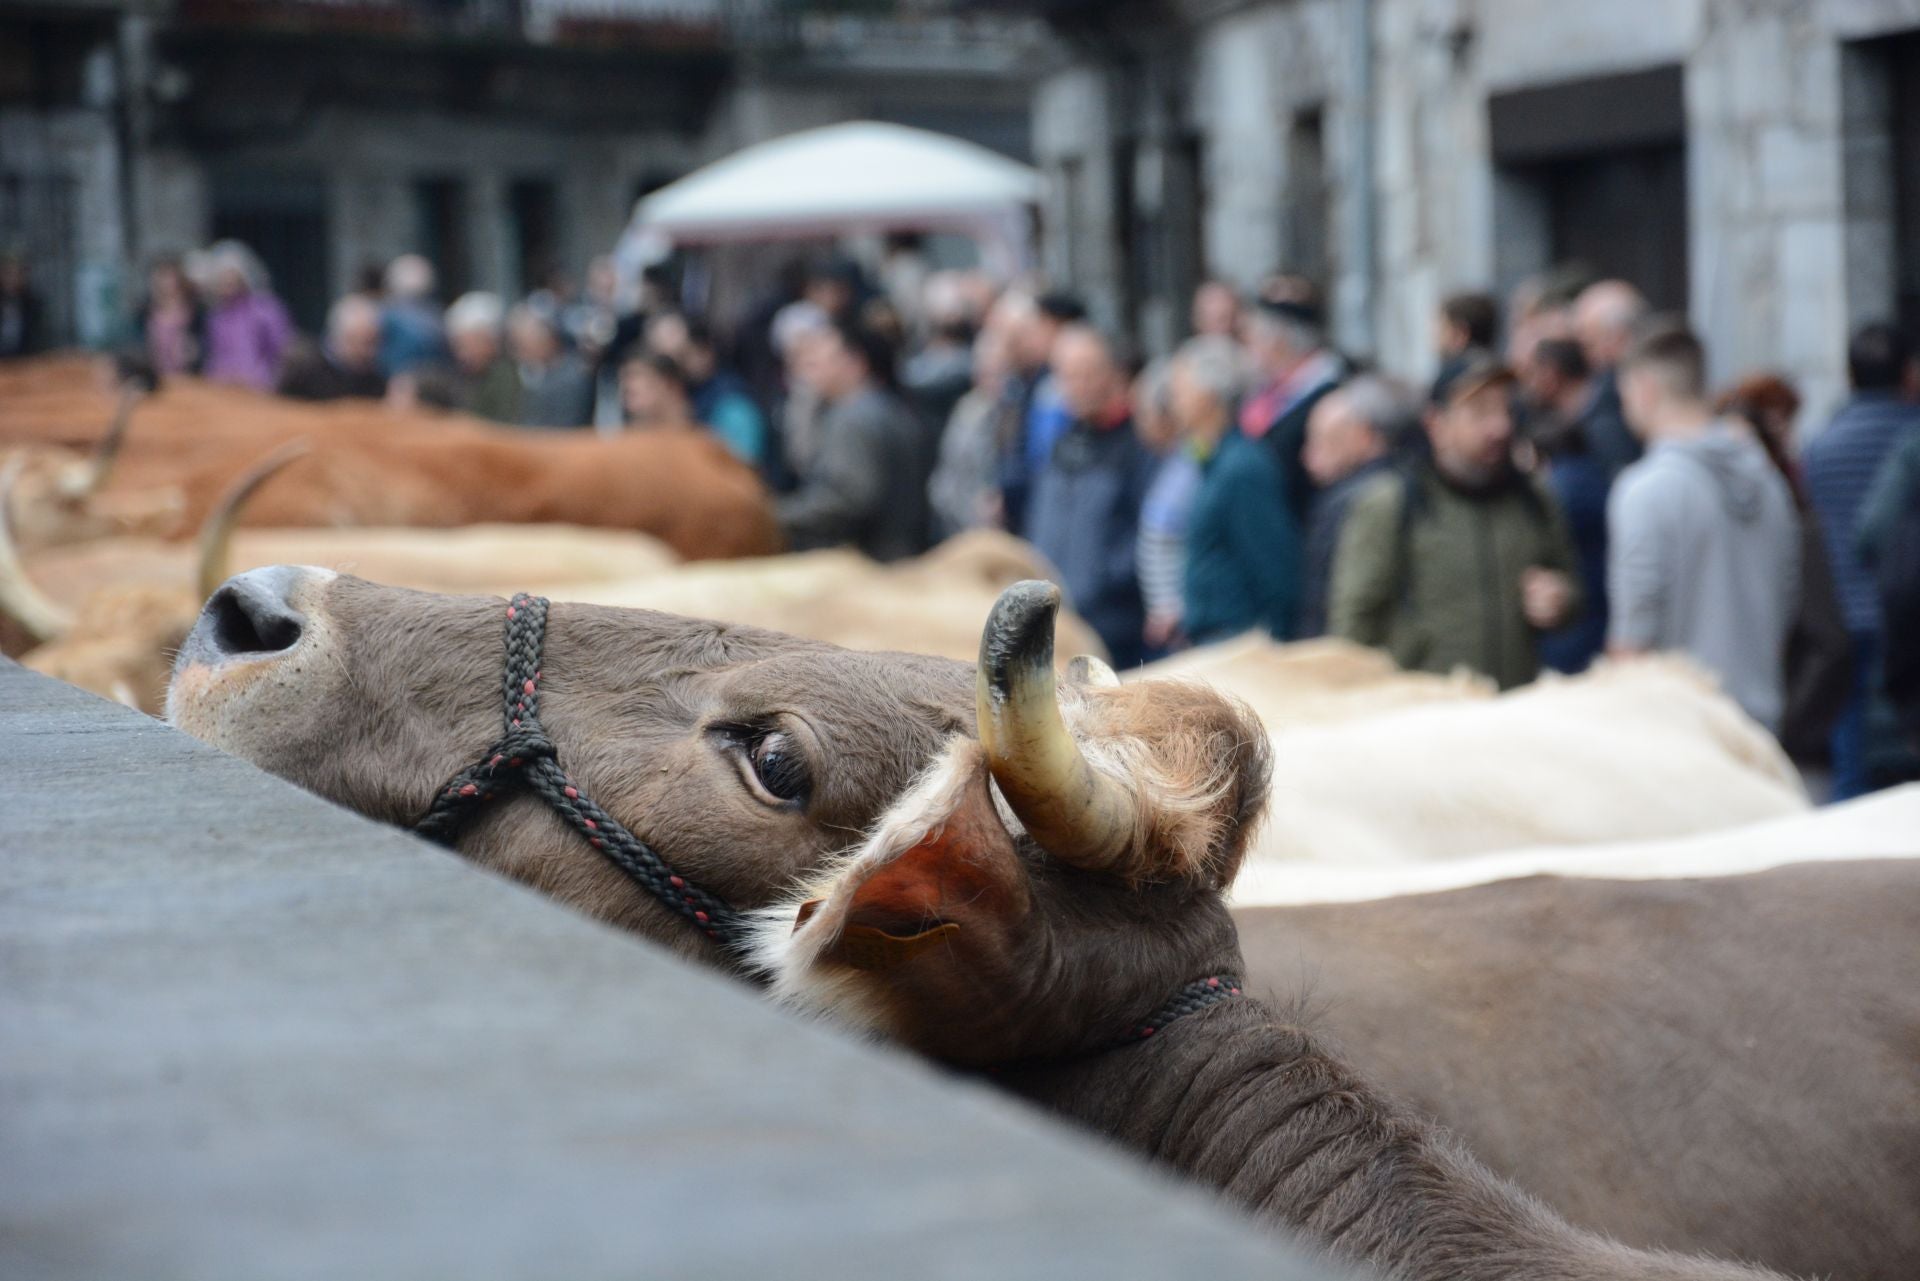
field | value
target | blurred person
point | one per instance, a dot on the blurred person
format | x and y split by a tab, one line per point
411	333
904	273
345	363
1295	368
1461	560
1243	549
1085	507
1889	544
941	372
555	388
171	321
1162	542
653	292
964	489
794	329
22	316
1522	312
1840	465
1466	323
1216	310
1606	317
719	398
590	323
1771	406
589	320
1350	436
1703	550
369	283
866	482
757	354
1819	647
1559	389
878	317
1541	307
1043	416
487	384
655	392
837	287
248	330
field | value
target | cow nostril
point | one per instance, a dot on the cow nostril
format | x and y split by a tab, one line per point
247	623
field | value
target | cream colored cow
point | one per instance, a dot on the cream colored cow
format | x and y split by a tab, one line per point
1378	768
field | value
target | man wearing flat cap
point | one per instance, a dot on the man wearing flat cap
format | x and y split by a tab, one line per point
1286	338
1458	560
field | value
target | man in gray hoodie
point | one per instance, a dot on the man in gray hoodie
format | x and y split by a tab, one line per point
1703	542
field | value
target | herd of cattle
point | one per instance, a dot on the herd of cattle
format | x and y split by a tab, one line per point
1701	1036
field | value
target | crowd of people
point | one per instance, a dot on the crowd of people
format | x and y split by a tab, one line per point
1567	486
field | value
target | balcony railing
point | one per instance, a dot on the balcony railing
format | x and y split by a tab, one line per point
873	35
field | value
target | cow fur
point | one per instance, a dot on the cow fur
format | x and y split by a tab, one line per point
1238	1096
396	690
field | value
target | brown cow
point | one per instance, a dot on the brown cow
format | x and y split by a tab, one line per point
190	441
1094	971
749	758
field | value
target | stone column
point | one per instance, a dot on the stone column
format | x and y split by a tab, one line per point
490	233
1767	241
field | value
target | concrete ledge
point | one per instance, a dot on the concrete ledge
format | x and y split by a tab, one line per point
250	1035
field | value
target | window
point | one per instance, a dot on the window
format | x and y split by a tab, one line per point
440	231
533	207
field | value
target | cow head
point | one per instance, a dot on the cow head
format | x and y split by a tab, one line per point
63	497
750	759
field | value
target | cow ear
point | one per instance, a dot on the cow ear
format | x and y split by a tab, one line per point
940	873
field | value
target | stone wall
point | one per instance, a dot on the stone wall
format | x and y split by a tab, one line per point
1789	236
63	214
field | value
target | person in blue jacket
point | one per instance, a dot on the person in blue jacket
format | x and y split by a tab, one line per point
1243	545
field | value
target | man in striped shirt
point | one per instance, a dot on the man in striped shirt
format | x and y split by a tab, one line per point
1840	466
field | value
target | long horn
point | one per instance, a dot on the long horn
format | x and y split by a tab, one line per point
94	474
20	599
216	532
1078	815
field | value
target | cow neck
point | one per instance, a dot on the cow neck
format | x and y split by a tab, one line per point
1191	999
1245	1101
525	759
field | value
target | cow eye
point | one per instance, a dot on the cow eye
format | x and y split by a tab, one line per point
779	766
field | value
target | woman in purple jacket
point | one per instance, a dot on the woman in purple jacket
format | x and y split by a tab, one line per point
248	330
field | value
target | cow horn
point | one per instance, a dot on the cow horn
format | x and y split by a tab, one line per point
92	476
20	600
1078	815
1092	672
216	532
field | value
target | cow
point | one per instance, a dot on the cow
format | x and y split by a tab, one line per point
1636	749
367	465
745	759
931	604
1883	825
1089	964
115	610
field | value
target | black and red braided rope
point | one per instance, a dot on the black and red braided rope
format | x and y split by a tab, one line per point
1191	999
525	757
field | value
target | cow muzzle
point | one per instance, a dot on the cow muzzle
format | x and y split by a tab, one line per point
260	614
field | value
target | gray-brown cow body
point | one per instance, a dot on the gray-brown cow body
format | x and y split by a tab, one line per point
375	696
1729	1065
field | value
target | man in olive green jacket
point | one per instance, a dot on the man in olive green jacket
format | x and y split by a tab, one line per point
1458	560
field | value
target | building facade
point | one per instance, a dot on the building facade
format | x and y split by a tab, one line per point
506	139
1754	164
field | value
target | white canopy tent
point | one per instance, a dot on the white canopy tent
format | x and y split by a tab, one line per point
863	176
